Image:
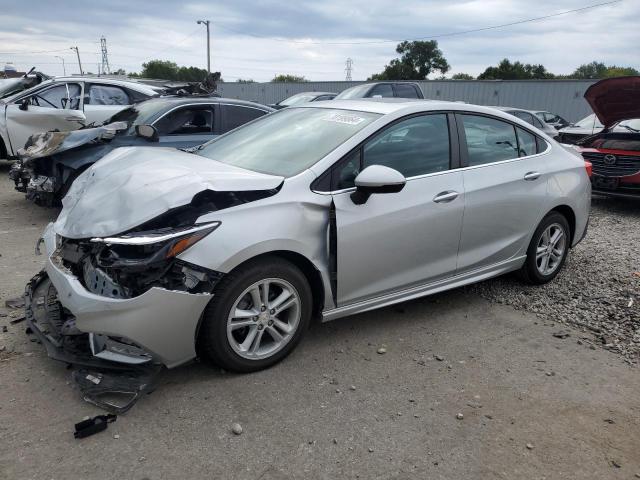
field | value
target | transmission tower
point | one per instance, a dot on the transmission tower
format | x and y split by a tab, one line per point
348	69
105	56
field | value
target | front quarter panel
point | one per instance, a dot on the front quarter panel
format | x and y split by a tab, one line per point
295	220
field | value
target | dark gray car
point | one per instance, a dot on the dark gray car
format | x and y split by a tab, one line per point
51	161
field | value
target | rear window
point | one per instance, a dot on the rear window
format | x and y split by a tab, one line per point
406	91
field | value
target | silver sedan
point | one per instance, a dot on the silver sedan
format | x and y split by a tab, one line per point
327	210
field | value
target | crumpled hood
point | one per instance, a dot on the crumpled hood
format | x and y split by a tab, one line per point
132	185
47	143
615	99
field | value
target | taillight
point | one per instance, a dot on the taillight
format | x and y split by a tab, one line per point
588	166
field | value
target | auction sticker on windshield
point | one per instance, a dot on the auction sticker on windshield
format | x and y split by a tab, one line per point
346	118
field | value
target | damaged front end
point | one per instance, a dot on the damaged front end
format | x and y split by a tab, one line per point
36	174
113	370
112	385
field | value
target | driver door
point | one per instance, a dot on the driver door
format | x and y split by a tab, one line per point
55	107
399	240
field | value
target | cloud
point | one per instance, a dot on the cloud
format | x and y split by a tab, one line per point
258	39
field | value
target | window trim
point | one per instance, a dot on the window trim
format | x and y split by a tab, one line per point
54	85
464	151
454	153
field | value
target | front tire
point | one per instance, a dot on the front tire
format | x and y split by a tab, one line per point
257	316
548	250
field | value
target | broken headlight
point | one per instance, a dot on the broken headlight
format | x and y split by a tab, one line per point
151	246
127	265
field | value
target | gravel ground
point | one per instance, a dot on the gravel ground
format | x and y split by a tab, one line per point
598	290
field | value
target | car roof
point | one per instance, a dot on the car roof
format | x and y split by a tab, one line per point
182	100
313	93
385	106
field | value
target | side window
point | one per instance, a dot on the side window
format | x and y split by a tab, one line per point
236	115
383	90
523	116
489	140
415	146
106	95
186	121
65	96
537	123
527	142
405	91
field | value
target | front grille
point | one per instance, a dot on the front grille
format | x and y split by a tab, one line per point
624	165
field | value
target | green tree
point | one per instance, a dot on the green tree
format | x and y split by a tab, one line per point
248	80
288	78
417	60
590	70
515	71
462	76
162	69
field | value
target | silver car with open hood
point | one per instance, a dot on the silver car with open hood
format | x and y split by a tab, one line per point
327	210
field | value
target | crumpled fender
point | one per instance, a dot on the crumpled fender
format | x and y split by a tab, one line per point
47	143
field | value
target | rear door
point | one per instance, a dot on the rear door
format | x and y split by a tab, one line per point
398	240
102	101
56	106
188	125
505	180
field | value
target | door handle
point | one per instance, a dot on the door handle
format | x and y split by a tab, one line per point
532	176
445	197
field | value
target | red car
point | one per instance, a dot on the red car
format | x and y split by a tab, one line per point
615	156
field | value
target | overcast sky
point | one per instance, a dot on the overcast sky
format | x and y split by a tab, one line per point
258	39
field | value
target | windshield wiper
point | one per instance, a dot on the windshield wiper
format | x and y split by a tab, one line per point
629	128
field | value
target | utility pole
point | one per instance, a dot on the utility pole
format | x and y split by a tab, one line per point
207	22
79	63
64	70
105	56
348	69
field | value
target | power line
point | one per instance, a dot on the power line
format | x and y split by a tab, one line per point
439	35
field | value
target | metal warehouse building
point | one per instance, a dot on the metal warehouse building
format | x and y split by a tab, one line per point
564	97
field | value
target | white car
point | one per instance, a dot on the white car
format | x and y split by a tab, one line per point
64	103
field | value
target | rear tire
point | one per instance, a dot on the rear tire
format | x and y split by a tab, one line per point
547	251
241	332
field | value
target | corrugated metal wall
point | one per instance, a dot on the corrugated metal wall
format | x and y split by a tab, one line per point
564	97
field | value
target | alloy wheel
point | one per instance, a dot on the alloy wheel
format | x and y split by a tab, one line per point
264	318
551	249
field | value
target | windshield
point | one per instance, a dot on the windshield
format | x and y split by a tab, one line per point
11	86
297	99
589	122
358	91
287	142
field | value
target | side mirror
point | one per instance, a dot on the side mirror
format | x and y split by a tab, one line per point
24	104
147	131
377	179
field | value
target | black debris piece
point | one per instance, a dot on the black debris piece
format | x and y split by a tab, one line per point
93	425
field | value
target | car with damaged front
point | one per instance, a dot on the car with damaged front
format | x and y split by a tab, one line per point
226	252
65	103
51	161
614	151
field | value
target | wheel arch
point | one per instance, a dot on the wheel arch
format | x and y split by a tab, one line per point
308	268
567	212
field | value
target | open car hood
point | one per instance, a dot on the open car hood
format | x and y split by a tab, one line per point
615	99
47	143
132	185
